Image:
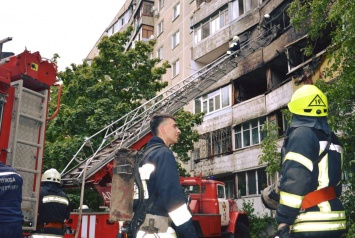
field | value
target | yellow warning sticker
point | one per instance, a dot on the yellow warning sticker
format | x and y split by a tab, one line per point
317	101
34	66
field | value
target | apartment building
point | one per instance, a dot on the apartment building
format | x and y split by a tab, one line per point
249	88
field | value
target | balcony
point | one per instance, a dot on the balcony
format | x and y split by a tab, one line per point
246	157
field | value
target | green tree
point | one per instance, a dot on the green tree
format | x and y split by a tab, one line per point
94	95
259	226
269	154
186	122
337	19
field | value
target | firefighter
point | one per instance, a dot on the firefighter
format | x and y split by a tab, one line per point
10	202
311	175
234	46
53	207
165	196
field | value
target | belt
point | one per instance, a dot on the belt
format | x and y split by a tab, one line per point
316	197
58	225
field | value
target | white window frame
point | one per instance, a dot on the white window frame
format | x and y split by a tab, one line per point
160	4
247	179
247	127
215	25
208	102
197	35
160	28
240	7
175	68
110	31
175	39
160	52
211	26
176	11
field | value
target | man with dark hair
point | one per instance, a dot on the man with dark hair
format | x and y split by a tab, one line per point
166	199
10	202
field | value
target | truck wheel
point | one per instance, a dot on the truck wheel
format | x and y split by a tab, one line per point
242	231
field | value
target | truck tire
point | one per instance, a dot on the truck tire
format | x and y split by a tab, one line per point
242	231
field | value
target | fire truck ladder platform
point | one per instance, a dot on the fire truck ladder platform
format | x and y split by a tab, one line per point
126	131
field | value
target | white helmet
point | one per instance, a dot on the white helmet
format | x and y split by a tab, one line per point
235	38
51	175
83	207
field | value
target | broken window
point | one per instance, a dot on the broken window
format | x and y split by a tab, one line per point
249	87
301	65
214	143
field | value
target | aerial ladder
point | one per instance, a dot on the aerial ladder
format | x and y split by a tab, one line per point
93	161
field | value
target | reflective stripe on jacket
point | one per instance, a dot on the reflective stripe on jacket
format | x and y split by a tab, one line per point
54	204
301	174
10	194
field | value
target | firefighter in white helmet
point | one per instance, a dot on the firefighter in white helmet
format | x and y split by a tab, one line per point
53	206
234	46
311	174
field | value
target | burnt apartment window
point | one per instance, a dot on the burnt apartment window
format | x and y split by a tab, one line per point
214	143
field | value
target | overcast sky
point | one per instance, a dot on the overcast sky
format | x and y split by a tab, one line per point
67	27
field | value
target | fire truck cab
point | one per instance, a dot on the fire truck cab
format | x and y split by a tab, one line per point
212	213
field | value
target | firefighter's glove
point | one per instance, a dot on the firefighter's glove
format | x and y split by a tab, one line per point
283	232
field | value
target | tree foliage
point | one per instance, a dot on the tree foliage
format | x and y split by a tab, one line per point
95	95
259	226
186	122
269	154
337	18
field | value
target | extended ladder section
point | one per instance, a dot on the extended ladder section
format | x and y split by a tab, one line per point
26	145
132	127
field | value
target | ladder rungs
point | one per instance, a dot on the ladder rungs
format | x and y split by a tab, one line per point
38	119
29	143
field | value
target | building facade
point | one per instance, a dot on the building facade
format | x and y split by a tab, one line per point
255	86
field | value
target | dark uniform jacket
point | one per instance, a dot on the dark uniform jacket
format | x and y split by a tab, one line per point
164	189
302	174
53	206
10	194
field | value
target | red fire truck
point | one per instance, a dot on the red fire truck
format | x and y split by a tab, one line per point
25	82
